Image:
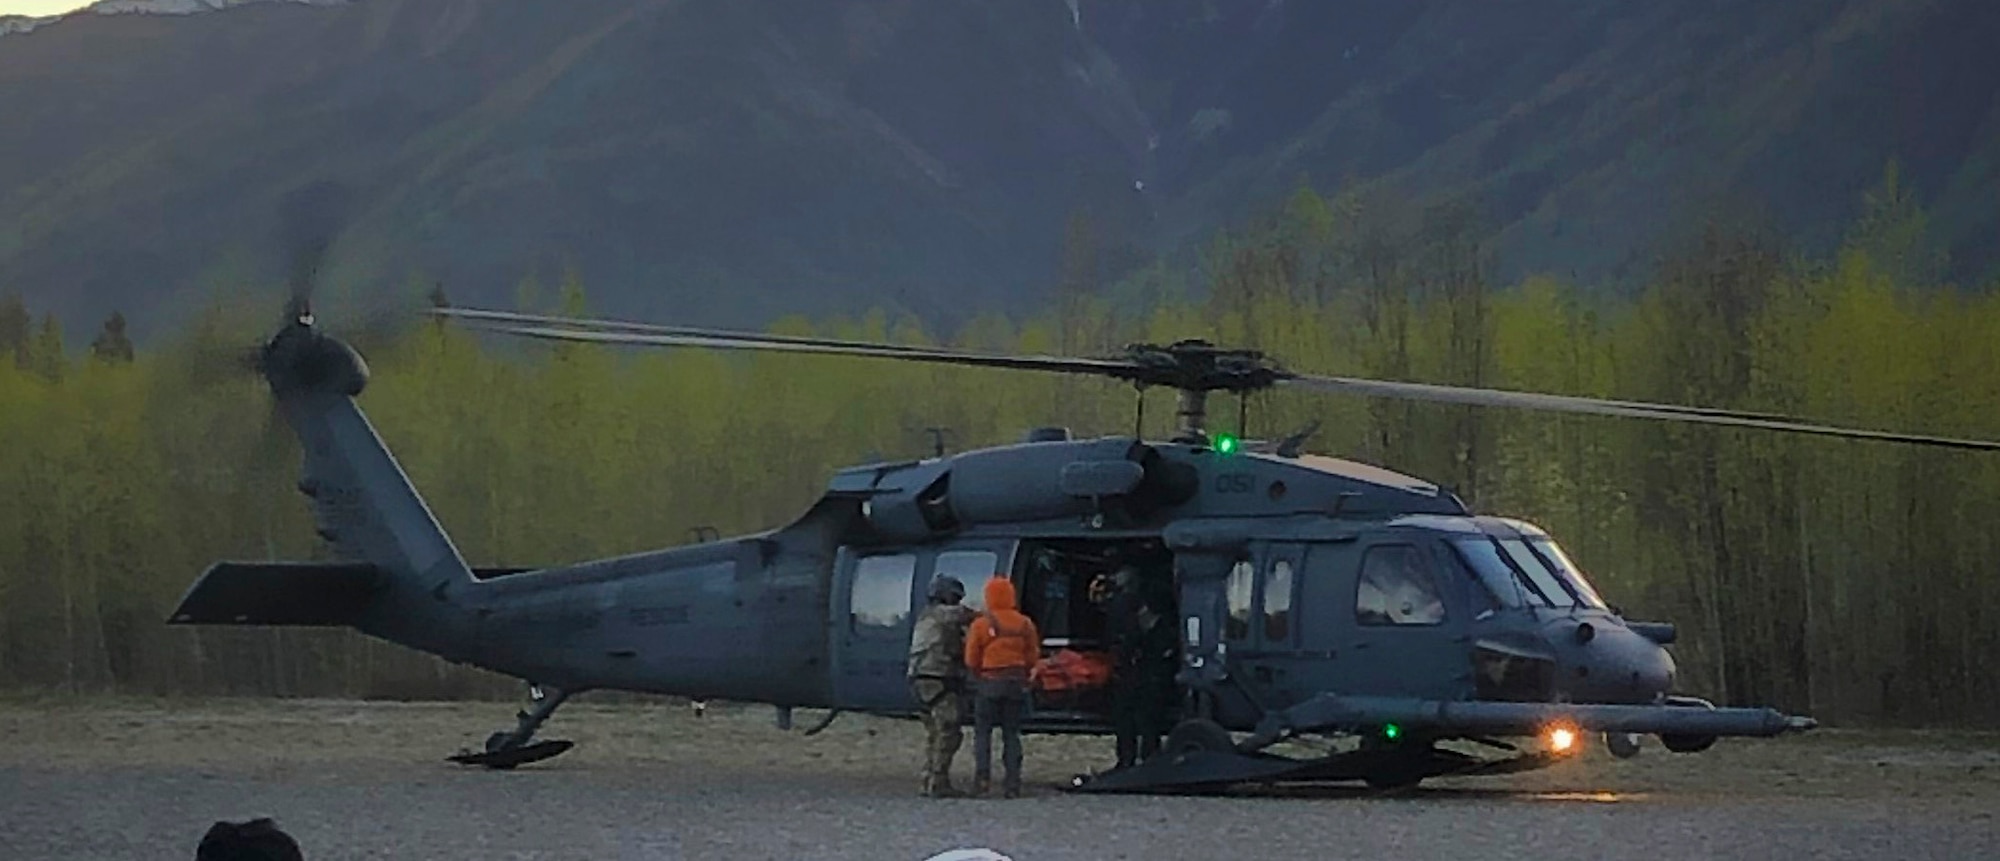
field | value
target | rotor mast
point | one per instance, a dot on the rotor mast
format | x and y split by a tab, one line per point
1193	415
1194	368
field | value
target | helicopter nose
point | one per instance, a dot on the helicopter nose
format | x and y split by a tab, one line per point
1605	662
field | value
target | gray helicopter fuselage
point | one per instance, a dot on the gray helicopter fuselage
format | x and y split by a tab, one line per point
776	617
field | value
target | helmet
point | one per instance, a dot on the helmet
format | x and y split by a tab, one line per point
945	589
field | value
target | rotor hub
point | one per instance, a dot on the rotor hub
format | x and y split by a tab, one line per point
300	358
1196	365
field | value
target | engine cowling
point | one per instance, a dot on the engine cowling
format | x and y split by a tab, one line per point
1028	482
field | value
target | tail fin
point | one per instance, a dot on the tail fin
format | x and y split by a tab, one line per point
364	504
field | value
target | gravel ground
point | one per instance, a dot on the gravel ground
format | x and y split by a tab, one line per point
119	780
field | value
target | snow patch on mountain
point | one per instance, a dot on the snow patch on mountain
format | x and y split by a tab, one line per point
10	24
186	7
13	24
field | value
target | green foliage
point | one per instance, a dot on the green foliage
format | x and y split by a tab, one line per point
14	328
1849	579
112	344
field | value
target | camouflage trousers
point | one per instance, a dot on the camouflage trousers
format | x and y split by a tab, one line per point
942	713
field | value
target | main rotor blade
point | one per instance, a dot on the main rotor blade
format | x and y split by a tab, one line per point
1604	407
651	335
479	316
724	340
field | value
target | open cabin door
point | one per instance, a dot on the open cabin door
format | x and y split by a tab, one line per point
876	597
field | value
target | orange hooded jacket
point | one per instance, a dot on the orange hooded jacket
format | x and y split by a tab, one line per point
1012	649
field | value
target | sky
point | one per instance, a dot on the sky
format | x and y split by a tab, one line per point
40	7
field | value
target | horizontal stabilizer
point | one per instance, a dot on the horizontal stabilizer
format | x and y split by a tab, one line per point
279	593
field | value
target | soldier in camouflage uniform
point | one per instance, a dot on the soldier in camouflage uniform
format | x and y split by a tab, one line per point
937	678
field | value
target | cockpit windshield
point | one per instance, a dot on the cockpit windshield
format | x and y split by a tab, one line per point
1544	581
1530	573
1560	563
1493	571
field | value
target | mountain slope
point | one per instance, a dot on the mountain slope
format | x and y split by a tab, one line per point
728	162
677	154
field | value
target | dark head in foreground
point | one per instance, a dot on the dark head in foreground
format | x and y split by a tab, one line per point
1311	596
256	840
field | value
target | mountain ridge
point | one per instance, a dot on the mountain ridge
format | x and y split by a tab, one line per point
729	163
13	24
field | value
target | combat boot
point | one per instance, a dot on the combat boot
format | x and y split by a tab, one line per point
939	786
981	784
1011	790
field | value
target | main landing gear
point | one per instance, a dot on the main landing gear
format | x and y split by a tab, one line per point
506	749
1202	756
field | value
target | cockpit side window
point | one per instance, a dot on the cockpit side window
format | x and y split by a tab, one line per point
1397	587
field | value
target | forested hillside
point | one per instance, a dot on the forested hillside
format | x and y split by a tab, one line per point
1852	580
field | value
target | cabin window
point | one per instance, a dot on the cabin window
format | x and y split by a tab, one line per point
971	567
1396	587
1278	602
1242	579
881	594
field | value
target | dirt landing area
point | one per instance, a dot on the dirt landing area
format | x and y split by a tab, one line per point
126	780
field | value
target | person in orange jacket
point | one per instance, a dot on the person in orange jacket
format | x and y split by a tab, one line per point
1001	648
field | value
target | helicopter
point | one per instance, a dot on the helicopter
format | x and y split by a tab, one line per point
1314	598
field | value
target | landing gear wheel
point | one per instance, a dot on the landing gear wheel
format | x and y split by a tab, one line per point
1623	745
1399	764
1198	736
1399	775
1687	743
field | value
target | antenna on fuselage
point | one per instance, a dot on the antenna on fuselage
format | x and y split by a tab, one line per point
937	435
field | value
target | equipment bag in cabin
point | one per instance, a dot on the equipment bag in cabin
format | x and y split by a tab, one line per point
1069	670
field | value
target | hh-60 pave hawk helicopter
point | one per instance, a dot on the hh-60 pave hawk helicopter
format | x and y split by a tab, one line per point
1312	596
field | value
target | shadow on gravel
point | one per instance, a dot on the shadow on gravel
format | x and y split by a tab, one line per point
1350	792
